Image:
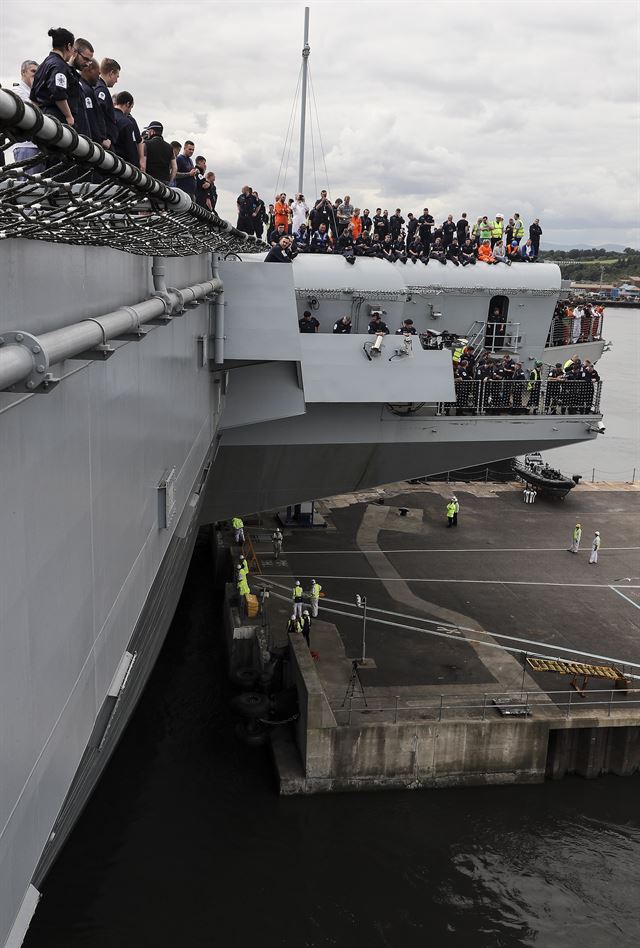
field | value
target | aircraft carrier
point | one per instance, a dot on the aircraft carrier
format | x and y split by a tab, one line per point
153	380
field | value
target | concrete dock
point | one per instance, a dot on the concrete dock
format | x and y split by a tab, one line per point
452	615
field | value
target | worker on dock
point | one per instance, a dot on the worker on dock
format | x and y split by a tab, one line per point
575	538
314	596
451	510
297	599
306	628
276	539
595	546
243	566
294	625
456	510
242	586
238	530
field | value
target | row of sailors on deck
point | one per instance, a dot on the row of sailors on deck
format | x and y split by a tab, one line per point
299	219
377	325
505	385
285	248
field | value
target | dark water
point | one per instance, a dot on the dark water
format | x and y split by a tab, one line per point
186	843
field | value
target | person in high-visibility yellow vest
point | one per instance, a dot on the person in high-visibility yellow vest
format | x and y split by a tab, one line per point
497	230
484	229
575	538
243	566
451	510
294	626
314	596
456	510
242	586
518	228
238	530
297	599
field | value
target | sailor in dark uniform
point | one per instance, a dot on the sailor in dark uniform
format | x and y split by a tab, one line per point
281	253
56	87
109	74
126	144
89	75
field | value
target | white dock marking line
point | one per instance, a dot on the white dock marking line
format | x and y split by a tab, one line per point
456	631
524	549
626	597
487	582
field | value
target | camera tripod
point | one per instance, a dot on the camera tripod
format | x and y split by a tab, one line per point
355	687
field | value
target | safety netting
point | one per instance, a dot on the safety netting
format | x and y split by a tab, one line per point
56	196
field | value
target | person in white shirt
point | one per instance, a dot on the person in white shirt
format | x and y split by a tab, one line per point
576	325
300	210
22	151
595	546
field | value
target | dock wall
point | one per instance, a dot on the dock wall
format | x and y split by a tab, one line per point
412	755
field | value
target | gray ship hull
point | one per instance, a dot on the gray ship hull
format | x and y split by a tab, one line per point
106	475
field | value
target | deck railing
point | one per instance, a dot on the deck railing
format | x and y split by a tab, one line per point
515	397
566	331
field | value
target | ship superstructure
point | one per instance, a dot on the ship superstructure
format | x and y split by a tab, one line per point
153	379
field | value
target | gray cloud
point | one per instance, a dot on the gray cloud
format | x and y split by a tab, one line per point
472	106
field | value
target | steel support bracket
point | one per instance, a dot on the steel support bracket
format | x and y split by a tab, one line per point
39	379
99	353
136	335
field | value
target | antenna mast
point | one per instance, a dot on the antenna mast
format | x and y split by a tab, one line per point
306	50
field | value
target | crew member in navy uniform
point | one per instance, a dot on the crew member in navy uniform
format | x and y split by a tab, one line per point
425	223
377	325
259	215
343	326
109	75
281	253
246	207
308	323
89	75
126	144
56	87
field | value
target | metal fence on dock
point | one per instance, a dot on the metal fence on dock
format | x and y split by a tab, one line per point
477	707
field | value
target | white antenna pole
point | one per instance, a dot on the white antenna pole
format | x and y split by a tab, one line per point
306	50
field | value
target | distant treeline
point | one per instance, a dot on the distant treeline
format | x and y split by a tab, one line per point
612	265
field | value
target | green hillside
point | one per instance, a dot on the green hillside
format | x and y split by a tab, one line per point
587	266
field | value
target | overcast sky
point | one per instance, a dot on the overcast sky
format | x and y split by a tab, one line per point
484	107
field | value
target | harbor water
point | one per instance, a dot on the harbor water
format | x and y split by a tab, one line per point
186	842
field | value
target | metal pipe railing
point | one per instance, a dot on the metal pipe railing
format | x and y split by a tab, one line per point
514	397
25	359
476	706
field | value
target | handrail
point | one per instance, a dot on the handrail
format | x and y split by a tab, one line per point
523	701
489	398
25	359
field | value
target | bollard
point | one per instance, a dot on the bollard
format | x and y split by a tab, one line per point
593	475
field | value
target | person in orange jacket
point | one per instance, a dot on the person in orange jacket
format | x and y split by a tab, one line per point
484	252
356	223
282	211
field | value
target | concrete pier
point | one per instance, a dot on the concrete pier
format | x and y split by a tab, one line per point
429	713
